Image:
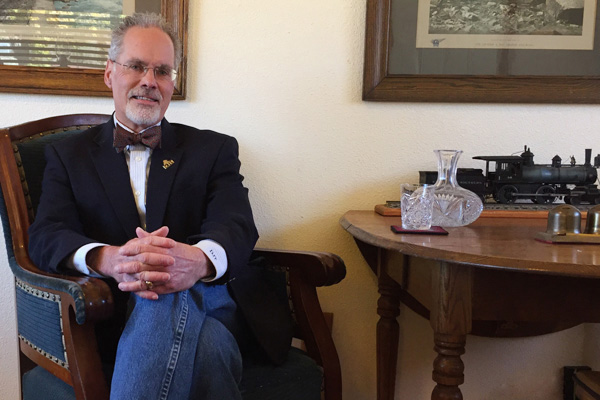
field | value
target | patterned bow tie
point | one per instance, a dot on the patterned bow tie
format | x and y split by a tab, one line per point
122	137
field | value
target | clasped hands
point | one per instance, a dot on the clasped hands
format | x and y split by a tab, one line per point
171	266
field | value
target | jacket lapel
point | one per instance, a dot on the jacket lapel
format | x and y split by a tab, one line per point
114	175
165	162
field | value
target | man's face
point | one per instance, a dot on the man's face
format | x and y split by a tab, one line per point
141	100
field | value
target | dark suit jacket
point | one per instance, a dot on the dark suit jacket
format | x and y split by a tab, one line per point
194	187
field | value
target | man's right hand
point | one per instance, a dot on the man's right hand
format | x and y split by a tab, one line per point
144	258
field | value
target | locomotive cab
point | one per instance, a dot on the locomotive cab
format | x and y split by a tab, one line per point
502	172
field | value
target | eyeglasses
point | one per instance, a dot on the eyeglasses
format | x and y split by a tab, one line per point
139	70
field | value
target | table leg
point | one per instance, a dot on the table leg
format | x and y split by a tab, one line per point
388	308
450	319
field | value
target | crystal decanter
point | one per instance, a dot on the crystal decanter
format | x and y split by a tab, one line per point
453	205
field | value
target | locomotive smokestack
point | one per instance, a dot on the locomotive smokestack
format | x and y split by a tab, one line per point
588	157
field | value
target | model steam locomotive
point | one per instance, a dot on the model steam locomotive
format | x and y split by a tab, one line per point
511	178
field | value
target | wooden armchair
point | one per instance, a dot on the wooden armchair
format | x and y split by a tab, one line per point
57	314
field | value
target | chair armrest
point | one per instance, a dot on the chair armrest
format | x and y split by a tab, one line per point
56	317
90	298
317	268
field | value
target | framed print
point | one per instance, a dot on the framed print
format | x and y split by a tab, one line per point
514	51
60	47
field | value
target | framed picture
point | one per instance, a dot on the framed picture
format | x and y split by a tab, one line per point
60	47
515	51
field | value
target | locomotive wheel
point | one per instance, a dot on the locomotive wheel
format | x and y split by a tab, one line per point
573	200
545	189
506	194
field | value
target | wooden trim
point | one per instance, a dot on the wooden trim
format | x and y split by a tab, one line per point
59	122
382	209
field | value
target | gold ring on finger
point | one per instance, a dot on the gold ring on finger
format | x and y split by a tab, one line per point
149	285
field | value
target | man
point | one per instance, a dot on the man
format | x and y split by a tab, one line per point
166	217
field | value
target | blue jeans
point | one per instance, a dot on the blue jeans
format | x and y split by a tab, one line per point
180	346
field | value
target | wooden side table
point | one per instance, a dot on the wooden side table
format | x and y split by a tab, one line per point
490	278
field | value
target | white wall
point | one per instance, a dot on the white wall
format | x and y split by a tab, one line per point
286	81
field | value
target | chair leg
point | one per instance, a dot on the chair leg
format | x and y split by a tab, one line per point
328	320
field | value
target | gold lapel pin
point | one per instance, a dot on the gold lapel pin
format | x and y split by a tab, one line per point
167	163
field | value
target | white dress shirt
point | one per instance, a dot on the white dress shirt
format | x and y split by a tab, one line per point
138	161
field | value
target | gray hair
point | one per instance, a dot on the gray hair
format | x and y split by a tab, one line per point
142	20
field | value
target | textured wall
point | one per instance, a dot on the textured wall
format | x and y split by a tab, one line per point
286	81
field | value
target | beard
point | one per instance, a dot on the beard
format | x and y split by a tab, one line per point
141	114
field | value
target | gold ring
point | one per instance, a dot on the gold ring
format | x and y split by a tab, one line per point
149	284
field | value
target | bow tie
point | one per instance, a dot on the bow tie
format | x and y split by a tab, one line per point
122	137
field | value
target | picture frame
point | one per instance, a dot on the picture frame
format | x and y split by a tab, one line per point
381	83
88	81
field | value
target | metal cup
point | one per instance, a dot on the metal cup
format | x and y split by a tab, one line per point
592	224
564	219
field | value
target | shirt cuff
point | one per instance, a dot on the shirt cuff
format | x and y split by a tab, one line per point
78	260
216	254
